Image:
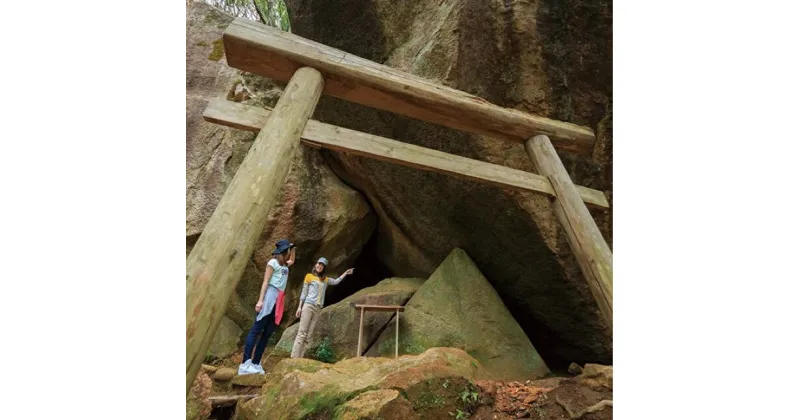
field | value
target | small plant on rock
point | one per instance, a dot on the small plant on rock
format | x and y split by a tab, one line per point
459	415
469	395
324	351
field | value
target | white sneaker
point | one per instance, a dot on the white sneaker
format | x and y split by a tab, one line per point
258	368
247	368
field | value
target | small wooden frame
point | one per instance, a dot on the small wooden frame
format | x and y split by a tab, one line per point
380	308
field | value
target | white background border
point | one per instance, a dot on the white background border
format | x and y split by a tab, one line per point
705	209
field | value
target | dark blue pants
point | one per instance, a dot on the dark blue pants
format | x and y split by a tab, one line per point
265	328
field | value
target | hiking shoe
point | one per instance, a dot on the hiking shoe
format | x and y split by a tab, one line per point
258	368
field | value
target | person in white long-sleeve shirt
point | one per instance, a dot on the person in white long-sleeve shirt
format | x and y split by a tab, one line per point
312	298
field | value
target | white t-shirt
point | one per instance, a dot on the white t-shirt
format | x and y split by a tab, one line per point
280	274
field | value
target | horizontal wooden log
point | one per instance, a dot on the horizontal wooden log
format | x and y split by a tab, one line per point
378	308
229	400
276	54
331	137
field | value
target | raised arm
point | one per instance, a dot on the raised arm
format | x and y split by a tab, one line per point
290	261
334	282
264	285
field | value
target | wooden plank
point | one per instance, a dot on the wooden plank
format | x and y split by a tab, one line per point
360	332
216	263
587	243
276	54
331	137
379	308
229	400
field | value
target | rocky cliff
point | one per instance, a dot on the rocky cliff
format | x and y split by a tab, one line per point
550	58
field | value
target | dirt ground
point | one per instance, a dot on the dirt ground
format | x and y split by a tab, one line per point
542	399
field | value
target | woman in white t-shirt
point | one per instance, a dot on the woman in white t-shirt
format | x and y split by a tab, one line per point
269	307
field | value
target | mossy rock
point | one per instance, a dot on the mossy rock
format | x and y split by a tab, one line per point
255	380
291	393
457	307
226	339
198	405
223	374
385	404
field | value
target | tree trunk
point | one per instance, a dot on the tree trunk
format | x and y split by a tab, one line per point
584	237
216	263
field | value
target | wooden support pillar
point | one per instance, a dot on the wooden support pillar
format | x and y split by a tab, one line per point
360	332
218	259
396	333
584	237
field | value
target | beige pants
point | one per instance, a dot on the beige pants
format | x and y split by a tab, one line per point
308	320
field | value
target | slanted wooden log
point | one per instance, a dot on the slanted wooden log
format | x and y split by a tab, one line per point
331	137
273	53
216	263
584	237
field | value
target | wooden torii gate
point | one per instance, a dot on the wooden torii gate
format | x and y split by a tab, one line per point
218	259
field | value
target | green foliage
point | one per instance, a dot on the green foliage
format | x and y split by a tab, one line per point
218	51
209	359
273	13
469	395
459	415
324	351
429	400
469	401
286	25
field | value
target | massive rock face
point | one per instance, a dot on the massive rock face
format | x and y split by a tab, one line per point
548	57
316	210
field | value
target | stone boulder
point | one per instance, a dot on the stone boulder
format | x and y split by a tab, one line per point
224	374
339	322
251	380
198	404
457	307
316	210
550	58
431	381
597	376
386	404
226	339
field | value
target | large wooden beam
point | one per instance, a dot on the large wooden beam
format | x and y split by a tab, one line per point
331	137
276	54
587	243
218	259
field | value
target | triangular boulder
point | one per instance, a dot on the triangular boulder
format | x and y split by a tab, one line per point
457	307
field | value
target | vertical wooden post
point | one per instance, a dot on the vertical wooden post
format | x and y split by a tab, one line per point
216	263
360	329
396	332
587	243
